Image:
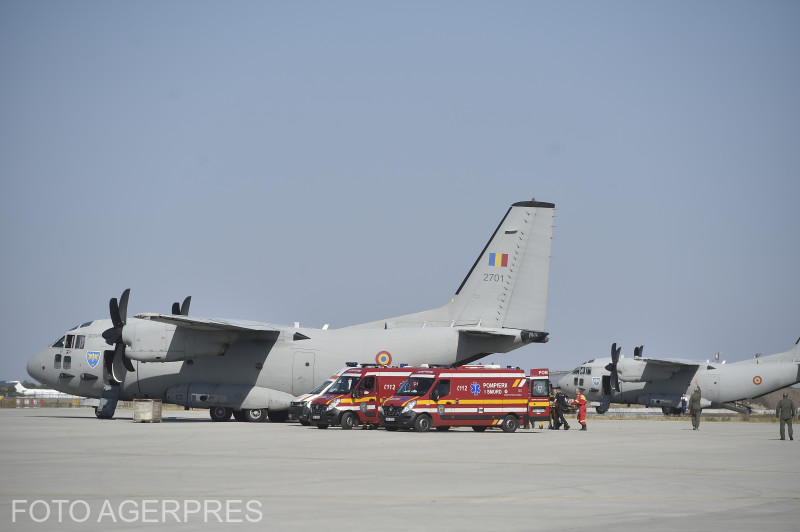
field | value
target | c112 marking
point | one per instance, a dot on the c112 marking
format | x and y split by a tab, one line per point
492	277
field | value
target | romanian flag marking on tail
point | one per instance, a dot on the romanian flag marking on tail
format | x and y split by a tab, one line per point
498	259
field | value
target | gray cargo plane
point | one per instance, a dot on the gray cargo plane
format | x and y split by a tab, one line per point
661	382
252	370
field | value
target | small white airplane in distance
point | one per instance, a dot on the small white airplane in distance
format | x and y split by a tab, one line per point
39	393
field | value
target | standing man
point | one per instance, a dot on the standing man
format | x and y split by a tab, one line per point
785	413
580	400
683	404
561	405
694	408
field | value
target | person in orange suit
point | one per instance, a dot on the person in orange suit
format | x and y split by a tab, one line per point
580	401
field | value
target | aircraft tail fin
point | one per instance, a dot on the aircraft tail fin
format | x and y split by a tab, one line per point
18	387
507	285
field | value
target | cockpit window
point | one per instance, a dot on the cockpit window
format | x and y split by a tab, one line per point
70	339
72	329
79	341
589	371
57	362
583	370
86	324
59	342
575	371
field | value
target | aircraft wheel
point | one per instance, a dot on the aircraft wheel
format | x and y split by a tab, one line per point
100	415
220	413
255	415
422	423
479	428
238	415
510	423
443	428
278	416
348	421
322	426
600	410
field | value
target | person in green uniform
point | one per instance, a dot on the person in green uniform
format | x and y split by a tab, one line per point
785	412
694	408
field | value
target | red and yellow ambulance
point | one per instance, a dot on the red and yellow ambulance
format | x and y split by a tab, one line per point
473	396
356	396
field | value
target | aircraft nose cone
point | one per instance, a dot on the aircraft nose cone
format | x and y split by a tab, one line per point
35	367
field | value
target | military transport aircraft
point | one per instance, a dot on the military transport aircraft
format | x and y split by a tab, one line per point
661	382
252	370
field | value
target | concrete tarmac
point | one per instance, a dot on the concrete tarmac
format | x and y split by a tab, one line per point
630	475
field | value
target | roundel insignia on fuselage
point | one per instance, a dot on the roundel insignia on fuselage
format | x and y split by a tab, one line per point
757	380
384	358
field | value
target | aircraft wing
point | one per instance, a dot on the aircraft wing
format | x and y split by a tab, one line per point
212	324
676	363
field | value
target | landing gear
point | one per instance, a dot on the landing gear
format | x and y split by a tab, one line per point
601	409
278	416
102	415
253	415
220	413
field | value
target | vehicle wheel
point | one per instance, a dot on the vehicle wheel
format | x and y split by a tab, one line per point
238	415
255	415
348	421
278	416
510	423
479	429
422	423
443	428
305	422
220	413
322	426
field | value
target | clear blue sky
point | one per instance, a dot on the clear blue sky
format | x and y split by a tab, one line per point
342	162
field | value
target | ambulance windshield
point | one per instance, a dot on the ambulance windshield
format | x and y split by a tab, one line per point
415	386
321	387
344	384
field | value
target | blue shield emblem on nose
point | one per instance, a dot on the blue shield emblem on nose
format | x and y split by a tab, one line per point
93	358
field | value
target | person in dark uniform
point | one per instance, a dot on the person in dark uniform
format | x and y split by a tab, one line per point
785	412
561	406
694	407
552	408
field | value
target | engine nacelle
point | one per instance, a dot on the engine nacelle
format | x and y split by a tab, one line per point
632	370
152	341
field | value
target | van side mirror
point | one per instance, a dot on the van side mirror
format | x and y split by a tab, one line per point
355	394
435	395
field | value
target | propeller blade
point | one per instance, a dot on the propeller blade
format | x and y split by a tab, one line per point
113	310
119	351
615	380
112	335
176	308
123	305
108	362
185	306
